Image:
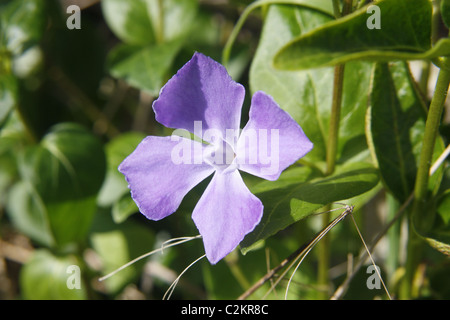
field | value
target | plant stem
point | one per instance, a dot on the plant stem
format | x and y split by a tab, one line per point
233	265
159	32
333	138
324	244
335	118
323	250
336	9
420	216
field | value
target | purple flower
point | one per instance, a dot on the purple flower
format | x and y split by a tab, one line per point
203	99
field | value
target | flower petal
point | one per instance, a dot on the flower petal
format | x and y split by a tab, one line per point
271	141
161	171
202	91
225	213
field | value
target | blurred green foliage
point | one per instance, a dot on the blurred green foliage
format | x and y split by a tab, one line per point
75	103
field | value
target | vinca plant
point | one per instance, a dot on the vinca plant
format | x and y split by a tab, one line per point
193	149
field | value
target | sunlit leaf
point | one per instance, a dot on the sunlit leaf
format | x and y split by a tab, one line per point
21	28
396	122
299	193
143	67
60	180
8	96
307	95
49	277
117	245
404	33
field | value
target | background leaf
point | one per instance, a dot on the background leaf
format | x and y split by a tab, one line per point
21	28
114	192
445	12
152	32
60	178
306	95
117	245
8	96
287	200
129	20
44	277
143	67
349	38
438	236
396	121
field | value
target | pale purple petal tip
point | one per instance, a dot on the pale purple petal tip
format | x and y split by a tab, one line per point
271	141
225	213
202	91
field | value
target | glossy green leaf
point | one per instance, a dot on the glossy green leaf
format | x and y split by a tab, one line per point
129	20
117	150
49	277
395	128
323	6
123	208
114	191
8	96
307	95
60	180
153	33
143	67
143	22
404	33
396	120
12	139
118	244
22	24
28	213
439	235
299	193
445	12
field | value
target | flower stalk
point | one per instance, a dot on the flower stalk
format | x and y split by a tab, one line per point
419	216
331	154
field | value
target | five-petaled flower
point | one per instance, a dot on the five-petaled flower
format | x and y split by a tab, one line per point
203	93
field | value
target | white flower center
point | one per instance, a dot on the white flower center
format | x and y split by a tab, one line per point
221	156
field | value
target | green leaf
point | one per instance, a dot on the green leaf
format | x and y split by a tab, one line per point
153	32
324	6
22	24
118	244
60	180
129	20
439	235
8	96
395	129
28	213
123	208
396	122
143	67
114	191
117	149
287	200
306	95
445	12
143	22
404	33
48	277
178	17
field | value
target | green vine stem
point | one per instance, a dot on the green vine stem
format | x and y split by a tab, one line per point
331	155
333	135
419	216
159	32
335	117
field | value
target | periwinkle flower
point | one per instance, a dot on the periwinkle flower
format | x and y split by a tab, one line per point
203	99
